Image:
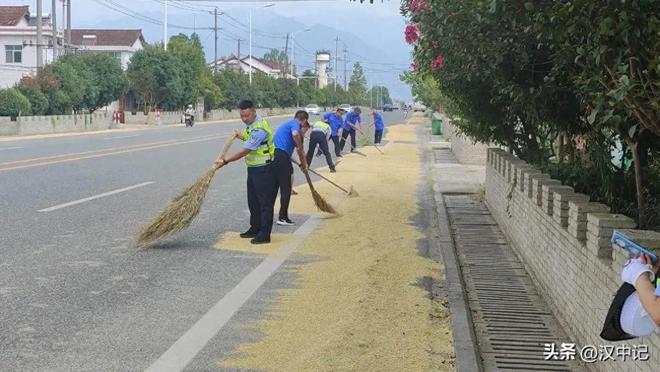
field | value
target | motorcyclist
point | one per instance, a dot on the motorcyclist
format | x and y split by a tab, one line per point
190	115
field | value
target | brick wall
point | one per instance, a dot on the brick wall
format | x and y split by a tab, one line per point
466	150
564	242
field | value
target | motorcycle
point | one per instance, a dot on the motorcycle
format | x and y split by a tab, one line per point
189	119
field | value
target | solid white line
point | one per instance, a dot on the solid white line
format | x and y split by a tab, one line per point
60	206
177	357
10	148
112	138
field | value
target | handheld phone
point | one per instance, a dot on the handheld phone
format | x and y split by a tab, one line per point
621	240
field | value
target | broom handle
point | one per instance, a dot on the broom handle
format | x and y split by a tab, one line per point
225	149
360	130
316	173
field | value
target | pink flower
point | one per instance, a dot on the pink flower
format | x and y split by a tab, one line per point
411	34
438	62
418	5
414	66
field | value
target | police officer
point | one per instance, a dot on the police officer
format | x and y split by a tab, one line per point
319	136
289	136
352	121
335	120
258	151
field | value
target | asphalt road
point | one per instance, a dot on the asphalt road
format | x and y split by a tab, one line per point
74	294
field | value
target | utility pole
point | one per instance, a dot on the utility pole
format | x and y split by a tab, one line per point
286	53
40	59
53	18
336	52
215	30
345	69
165	25
68	24
239	51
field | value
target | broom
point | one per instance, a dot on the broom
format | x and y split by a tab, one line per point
361	132
182	210
321	204
350	192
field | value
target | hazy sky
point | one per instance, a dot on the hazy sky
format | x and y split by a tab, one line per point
378	25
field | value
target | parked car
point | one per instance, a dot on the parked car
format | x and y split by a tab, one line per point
418	107
313	109
346	107
388	107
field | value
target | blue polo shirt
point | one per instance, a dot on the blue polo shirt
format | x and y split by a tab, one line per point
378	121
351	118
284	136
334	121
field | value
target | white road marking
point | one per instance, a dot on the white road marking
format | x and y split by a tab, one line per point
179	355
9	148
131	136
60	206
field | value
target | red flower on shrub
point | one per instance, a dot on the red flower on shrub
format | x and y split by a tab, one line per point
418	5
438	62
414	66
411	34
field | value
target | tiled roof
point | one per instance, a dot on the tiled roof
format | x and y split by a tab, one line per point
105	37
11	15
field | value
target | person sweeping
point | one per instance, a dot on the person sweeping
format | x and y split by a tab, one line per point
379	126
289	136
335	120
352	121
258	151
319	137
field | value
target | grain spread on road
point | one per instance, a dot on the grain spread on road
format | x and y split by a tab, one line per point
358	305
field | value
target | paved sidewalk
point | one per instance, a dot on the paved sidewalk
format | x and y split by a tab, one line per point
499	321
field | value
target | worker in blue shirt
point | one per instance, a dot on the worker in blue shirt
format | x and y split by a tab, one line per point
378	124
352	121
258	151
289	136
335	120
319	137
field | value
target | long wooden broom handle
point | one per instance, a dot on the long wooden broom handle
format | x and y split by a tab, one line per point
323	177
225	149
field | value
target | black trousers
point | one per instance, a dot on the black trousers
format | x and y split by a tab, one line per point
318	138
344	135
335	141
261	194
283	171
378	136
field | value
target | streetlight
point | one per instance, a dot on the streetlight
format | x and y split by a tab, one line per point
263	6
293	46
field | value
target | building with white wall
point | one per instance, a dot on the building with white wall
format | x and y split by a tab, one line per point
258	66
121	44
18	43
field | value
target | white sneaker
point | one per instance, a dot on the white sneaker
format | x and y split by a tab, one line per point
285	222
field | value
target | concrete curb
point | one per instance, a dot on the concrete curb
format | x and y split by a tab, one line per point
465	345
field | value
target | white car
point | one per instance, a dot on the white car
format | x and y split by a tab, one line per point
313	109
346	107
418	107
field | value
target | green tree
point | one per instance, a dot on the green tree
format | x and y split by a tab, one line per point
357	86
77	81
109	79
189	60
13	103
277	56
156	78
29	87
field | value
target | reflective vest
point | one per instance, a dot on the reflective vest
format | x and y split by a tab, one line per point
264	154
322	126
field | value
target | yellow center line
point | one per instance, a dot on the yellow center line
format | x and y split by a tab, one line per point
97	151
109	152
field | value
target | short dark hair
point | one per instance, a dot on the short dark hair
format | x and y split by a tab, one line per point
245	104
357	111
301	115
340	109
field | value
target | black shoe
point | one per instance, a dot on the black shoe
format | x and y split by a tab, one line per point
339	156
260	240
285	221
332	170
249	234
